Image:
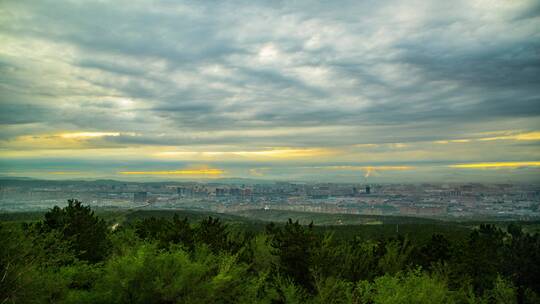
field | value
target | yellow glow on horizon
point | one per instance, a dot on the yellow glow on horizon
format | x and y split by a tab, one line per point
503	136
371	168
203	171
497	165
520	137
64	172
529	136
279	153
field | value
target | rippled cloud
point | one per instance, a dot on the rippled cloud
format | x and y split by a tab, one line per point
347	83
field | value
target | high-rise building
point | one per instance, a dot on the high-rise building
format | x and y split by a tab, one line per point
220	192
140	197
235	192
184	192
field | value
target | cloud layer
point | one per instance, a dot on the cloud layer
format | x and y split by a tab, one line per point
347	82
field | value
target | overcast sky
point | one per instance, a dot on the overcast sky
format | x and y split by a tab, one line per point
398	90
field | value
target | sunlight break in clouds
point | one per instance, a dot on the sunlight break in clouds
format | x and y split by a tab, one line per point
532	136
497	165
88	134
190	172
370	168
65	172
264	154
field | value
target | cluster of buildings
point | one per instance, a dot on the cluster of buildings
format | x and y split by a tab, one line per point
424	200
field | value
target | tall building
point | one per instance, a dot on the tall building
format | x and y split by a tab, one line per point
368	189
236	192
140	197
184	192
220	192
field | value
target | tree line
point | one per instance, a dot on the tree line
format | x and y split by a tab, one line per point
73	256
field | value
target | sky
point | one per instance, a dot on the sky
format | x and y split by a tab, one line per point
344	91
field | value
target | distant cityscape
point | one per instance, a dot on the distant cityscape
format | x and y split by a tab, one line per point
521	201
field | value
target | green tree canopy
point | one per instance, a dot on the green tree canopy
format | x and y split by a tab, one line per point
78	224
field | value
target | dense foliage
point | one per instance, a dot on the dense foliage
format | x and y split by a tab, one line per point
73	256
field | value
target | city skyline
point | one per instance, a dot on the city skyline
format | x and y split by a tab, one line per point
384	91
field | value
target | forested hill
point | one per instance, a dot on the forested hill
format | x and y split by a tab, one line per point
76	255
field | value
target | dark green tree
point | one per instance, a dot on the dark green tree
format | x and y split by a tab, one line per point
522	261
436	250
212	232
293	244
480	258
360	261
87	234
29	264
180	232
153	228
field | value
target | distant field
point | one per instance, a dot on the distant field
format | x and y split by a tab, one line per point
21	216
330	218
341	225
364	226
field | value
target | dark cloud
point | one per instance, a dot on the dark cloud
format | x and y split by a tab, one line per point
22	114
